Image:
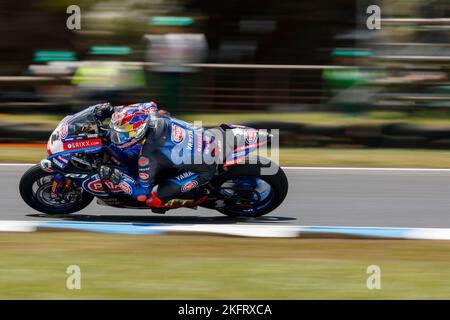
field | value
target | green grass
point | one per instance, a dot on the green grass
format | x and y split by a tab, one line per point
206	267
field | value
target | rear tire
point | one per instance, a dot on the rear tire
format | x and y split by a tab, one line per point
277	181
26	192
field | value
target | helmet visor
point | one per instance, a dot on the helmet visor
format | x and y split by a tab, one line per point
119	137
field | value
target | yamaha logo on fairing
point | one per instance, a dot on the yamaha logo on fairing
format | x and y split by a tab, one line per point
184	175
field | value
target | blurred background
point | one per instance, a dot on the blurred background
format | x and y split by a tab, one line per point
312	69
340	94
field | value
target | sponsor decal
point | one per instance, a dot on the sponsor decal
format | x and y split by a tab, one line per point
250	136
184	175
62	159
82	144
233	161
236	126
177	133
75	175
238	154
199	142
64	131
95	186
189	186
143	161
143	175
125	187
190	143
58	163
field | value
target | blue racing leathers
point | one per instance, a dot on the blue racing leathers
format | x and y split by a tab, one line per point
172	143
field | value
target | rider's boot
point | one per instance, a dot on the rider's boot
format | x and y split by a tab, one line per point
178	203
156	202
187	203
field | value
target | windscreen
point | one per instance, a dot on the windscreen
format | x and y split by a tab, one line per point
81	123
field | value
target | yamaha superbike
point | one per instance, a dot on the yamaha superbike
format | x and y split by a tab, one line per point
68	179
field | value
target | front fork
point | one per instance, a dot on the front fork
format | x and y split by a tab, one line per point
60	185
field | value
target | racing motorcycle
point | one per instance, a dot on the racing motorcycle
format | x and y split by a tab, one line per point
68	180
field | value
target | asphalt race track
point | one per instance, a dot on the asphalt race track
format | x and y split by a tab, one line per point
326	197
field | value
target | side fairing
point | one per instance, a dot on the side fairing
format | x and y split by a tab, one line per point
94	186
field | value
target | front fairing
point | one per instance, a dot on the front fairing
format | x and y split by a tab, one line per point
78	133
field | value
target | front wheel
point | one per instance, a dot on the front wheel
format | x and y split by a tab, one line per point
249	193
35	189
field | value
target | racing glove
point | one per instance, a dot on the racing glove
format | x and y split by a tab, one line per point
112	174
126	183
103	111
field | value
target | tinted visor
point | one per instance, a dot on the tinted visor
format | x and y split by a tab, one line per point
118	137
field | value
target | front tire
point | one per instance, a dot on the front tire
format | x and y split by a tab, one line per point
278	183
28	194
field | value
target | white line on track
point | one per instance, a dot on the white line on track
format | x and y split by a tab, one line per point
368	169
297	168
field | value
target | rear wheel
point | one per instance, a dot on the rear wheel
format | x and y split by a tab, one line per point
35	189
248	193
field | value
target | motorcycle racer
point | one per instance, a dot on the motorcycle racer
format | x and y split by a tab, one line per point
166	142
137	156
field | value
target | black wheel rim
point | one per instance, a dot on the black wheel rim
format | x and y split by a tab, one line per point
246	196
41	193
